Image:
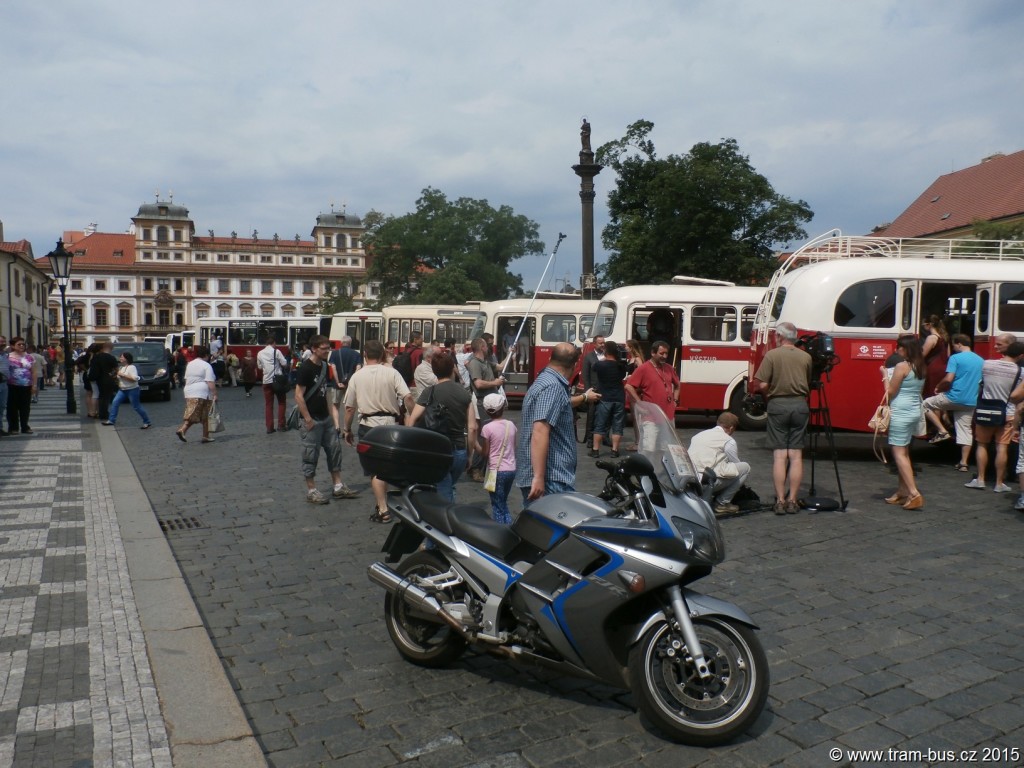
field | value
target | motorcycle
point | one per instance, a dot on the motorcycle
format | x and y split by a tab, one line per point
592	586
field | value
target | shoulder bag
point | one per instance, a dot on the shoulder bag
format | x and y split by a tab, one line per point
294	418
879	423
281	383
991	411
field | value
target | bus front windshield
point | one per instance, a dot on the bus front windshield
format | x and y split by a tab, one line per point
604	320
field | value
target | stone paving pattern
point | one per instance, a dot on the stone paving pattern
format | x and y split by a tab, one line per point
883	628
77	689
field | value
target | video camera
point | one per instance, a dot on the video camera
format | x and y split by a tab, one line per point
822	350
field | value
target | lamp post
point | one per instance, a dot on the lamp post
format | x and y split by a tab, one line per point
60	263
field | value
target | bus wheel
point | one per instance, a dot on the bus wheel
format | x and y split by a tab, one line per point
748	421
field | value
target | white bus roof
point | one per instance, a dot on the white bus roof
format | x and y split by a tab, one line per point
690	294
567	306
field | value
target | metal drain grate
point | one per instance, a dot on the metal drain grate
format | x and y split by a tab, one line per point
175	524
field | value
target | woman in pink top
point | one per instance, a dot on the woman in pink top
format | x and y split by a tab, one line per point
499	443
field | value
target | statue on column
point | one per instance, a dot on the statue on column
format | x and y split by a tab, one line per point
585	135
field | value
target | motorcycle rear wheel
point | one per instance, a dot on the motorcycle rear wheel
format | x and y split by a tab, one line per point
422	640
689	710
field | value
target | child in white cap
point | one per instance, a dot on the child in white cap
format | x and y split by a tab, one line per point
498	438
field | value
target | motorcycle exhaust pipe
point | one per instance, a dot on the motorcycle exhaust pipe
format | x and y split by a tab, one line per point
416	596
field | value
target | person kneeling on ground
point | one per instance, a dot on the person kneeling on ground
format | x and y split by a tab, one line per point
716	449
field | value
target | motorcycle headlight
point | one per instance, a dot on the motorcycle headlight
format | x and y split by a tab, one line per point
699	541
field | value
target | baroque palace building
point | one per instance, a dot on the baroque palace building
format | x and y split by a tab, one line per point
160	277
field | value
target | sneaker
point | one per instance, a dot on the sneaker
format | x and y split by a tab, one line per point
792	507
726	509
1020	503
975	483
1002	488
344	492
313	496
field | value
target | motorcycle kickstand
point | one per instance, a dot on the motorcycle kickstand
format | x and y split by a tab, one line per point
689	633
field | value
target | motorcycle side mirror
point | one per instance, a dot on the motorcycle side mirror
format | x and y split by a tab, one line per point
638	465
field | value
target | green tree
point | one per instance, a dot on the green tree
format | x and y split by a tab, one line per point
337	298
468	234
707	213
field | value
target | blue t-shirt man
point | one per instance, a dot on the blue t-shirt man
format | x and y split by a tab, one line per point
965	366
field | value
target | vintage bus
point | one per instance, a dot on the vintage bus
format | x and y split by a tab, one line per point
550	321
707	324
864	292
242	333
360	325
435	322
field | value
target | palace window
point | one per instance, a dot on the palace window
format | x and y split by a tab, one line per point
100	314
124	317
123	285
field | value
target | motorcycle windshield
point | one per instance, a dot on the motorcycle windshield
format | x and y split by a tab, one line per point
661	446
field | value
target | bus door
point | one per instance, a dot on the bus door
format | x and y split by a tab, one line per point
208	333
524	365
715	350
301	333
984	306
361	330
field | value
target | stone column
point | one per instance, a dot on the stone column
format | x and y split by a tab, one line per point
587	169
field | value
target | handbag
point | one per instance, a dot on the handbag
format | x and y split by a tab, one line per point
215	420
281	383
991	411
880	424
491	478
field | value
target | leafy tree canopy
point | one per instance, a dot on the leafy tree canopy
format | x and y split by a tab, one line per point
707	213
455	251
337	298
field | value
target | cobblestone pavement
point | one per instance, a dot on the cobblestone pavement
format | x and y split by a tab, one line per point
885	629
75	682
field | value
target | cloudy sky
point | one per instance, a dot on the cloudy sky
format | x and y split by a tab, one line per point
260	115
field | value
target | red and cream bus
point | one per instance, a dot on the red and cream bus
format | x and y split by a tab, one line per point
548	322
241	333
707	324
435	322
360	325
864	292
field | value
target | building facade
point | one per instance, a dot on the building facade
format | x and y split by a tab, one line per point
161	277
24	290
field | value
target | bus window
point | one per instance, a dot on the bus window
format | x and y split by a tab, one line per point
403	336
1010	312
780	299
428	331
604	321
984	304
747	315
393	330
907	316
871	304
558	328
713	323
586	325
277	329
242	332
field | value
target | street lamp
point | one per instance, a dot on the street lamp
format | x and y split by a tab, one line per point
60	263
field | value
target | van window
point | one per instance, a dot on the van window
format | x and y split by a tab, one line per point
871	304
1010	312
716	323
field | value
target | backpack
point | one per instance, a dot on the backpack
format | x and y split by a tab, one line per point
403	364
436	416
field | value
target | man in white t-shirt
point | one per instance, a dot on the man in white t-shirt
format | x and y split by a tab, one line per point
269	362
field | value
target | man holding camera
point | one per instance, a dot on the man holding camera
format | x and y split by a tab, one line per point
784	378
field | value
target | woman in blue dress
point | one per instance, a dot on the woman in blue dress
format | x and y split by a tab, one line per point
904	388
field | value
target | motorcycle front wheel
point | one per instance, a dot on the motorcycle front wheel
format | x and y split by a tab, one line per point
686	708
420	638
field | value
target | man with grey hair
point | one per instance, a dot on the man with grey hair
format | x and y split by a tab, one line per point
423	376
784	378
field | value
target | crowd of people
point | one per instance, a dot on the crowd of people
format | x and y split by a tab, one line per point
936	386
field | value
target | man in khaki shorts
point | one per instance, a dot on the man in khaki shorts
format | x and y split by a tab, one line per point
784	377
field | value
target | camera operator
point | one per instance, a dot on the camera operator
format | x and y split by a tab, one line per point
784	378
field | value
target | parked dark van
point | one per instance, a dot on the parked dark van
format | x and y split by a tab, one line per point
150	358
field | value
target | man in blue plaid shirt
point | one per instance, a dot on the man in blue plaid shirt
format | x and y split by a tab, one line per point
546	447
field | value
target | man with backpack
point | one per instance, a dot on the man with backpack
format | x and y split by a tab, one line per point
405	362
346	361
485	379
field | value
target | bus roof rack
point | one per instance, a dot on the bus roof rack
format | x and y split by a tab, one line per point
690	280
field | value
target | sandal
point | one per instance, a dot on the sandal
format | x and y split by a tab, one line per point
962	467
939	437
380	517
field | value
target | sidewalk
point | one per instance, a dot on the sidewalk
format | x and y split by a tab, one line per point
104	659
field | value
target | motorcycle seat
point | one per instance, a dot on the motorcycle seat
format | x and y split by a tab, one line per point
467	522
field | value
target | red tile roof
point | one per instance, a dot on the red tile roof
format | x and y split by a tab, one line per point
990	191
99	250
23	247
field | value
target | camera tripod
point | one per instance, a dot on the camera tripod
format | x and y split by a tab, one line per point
820	422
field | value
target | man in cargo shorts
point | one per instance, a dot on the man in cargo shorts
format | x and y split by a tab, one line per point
374	391
784	377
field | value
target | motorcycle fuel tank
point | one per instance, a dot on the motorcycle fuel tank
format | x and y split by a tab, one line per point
549	519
